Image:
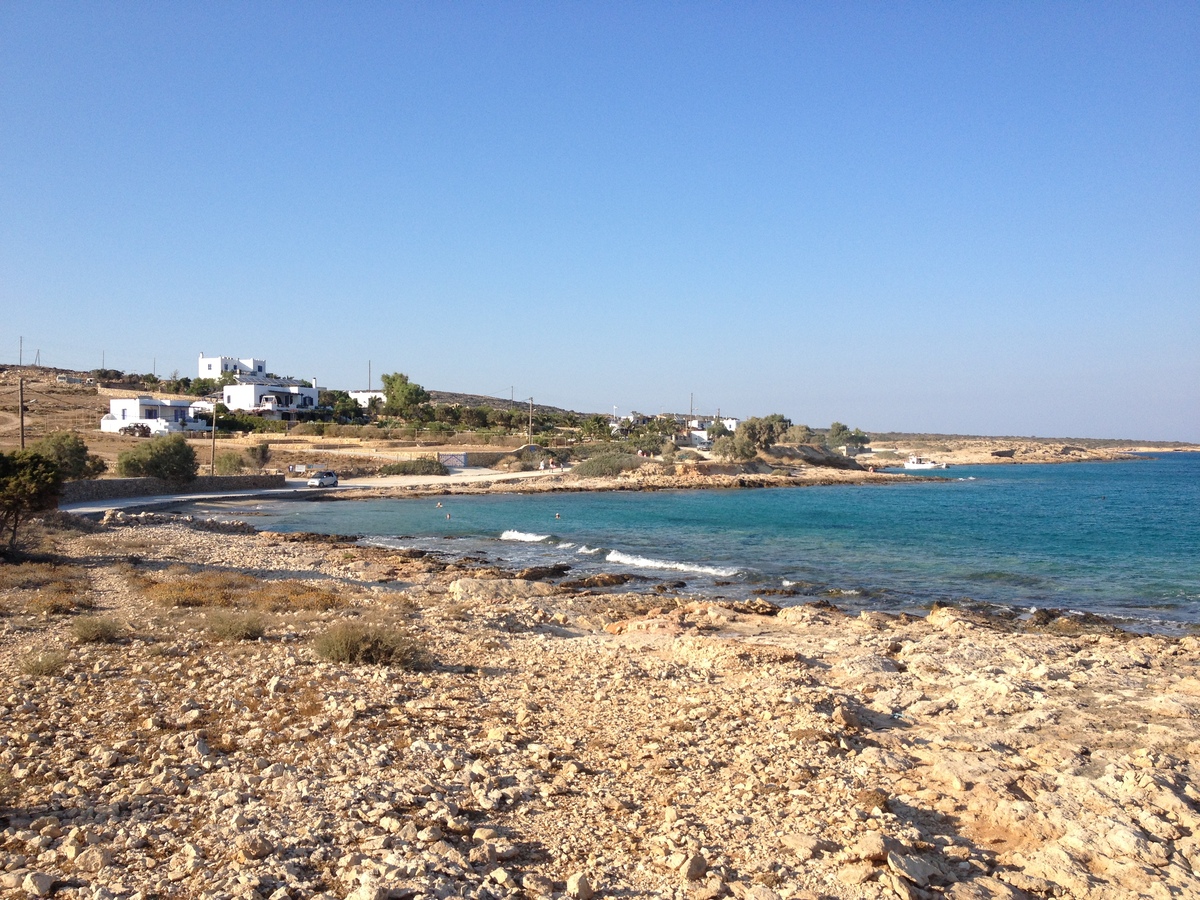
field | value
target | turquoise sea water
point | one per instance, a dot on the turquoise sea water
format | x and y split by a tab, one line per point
1118	539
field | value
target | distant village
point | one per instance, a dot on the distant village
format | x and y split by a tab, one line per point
245	386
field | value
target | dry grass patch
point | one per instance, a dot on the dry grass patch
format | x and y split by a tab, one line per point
47	588
232	626
96	630
191	589
184	588
44	663
362	644
281	596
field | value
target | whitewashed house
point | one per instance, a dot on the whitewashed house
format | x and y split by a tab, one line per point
216	366
160	416
256	391
274	398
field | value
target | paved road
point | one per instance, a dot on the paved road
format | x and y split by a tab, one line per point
298	485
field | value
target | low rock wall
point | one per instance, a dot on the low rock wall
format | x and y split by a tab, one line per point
120	488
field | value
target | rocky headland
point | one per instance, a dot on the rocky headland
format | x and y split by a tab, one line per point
177	723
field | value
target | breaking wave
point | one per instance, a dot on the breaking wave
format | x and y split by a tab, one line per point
524	536
644	562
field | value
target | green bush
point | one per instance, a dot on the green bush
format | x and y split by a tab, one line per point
423	466
230	463
599	448
259	454
236	626
169	457
607	466
71	455
29	483
358	644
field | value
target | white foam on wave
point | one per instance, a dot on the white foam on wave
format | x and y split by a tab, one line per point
644	562
585	550
524	536
565	545
787	583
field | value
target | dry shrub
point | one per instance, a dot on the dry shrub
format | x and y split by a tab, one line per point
360	644
198	589
232	589
227	626
293	594
96	630
43	663
47	588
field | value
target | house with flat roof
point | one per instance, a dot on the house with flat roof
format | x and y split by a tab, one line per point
274	398
216	366
159	415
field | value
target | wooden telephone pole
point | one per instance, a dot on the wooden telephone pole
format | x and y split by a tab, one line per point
21	408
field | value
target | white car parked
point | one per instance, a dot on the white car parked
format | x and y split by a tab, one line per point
323	479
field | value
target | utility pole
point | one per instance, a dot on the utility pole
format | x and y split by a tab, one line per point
21	407
21	351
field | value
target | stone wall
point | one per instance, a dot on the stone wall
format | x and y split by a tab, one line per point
120	488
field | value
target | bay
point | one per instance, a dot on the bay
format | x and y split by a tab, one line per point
1116	539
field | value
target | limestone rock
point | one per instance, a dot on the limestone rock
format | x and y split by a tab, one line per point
579	887
37	884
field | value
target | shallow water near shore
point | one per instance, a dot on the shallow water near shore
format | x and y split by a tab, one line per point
1115	539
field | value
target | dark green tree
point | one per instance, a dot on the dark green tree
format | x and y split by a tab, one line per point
717	430
343	405
401	396
797	434
70	454
169	457
763	433
841	436
29	483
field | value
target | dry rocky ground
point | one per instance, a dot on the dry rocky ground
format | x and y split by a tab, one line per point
536	737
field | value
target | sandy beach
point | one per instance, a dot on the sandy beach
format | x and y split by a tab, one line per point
550	738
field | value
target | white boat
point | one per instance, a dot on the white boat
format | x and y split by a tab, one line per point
920	462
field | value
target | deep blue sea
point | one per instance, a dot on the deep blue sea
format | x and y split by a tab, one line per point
1119	539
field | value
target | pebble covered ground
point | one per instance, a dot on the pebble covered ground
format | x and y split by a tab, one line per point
171	728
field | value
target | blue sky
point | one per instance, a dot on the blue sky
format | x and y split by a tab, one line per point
972	218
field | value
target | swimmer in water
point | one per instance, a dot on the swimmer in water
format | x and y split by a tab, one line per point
557	516
439	506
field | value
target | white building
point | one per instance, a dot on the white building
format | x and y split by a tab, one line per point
216	366
160	416
276	398
362	398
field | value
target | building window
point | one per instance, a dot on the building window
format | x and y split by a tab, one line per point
210	367
124	413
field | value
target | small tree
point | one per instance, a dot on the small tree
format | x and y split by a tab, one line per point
70	454
841	436
717	430
797	434
402	396
169	458
29	483
259	454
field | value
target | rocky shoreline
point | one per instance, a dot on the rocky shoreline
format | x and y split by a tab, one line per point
558	739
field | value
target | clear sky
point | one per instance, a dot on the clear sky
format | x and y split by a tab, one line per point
973	218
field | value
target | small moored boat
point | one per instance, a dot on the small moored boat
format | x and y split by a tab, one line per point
920	462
